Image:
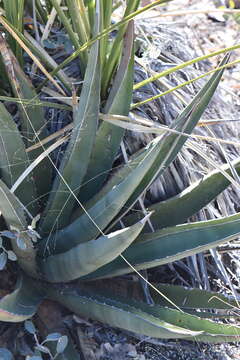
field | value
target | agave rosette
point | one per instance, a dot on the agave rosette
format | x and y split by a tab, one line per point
79	226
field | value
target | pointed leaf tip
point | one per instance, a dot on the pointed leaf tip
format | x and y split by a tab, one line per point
89	256
146	218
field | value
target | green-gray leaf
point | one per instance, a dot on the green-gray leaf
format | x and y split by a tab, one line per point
89	225
22	303
190	298
3	260
5	354
171	244
14	160
109	137
173	143
62	344
76	157
89	256
177	209
118	314
14	215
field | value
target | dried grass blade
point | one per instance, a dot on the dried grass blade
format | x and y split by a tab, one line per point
37	161
32	56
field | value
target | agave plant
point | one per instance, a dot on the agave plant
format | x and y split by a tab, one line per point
79	227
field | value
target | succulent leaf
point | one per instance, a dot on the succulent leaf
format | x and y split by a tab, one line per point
72	169
81	221
22	303
217	332
89	225
108	136
33	124
171	244
190	298
89	256
156	321
114	55
14	160
173	143
13	213
179	208
119	314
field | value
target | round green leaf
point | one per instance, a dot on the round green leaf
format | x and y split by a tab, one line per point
3	260
5	354
62	344
21	243
8	234
53	337
11	255
30	327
